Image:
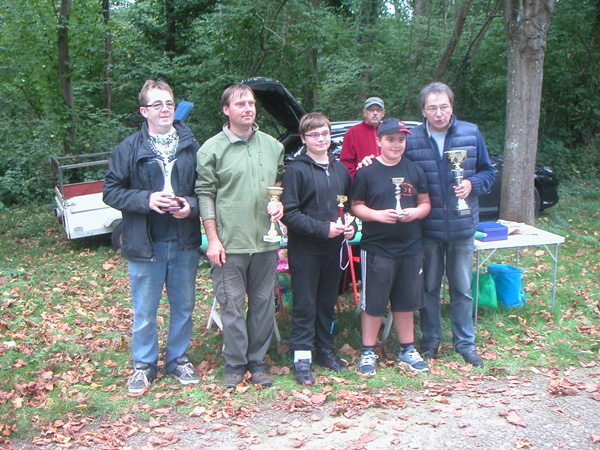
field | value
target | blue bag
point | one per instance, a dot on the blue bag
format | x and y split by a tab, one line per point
509	284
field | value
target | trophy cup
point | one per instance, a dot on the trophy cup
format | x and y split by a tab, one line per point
348	219
456	157
397	181
341	200
275	192
167	170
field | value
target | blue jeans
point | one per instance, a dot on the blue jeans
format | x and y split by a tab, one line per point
457	258
177	270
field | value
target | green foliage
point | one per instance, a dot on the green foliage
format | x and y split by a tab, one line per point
337	52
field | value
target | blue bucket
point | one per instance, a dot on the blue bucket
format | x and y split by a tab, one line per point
509	284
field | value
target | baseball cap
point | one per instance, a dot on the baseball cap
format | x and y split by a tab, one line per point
391	126
374	101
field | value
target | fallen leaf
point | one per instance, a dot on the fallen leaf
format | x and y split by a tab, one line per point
513	418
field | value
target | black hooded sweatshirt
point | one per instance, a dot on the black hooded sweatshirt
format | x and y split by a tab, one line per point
310	204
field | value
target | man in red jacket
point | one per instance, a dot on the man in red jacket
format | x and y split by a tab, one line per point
360	140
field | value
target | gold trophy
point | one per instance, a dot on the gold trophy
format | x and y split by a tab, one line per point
397	181
456	157
341	200
275	192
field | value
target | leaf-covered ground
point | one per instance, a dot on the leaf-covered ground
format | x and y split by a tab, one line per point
65	357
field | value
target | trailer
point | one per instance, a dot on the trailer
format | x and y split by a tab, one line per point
79	206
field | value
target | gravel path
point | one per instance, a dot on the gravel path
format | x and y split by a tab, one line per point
540	411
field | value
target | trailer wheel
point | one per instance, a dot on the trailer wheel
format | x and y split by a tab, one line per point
116	238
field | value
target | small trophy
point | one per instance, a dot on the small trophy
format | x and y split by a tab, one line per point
398	183
167	170
341	200
348	219
456	157
275	192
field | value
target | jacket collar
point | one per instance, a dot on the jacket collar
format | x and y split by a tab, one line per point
448	131
233	138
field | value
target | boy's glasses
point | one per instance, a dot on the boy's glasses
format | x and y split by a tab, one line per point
316	136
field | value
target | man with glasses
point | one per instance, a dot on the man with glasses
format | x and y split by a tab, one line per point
234	169
361	140
447	234
150	178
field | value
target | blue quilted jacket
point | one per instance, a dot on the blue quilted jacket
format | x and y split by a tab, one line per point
443	223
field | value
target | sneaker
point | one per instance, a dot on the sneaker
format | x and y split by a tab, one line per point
261	378
231	380
303	373
184	372
412	360
141	378
472	358
367	363
327	358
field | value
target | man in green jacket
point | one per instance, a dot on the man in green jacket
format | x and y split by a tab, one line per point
234	168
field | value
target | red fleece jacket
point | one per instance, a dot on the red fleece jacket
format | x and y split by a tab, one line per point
358	143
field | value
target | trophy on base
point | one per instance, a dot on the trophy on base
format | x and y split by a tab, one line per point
167	170
275	192
397	181
456	157
341	200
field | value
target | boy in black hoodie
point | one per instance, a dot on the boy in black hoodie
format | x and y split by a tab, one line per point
311	185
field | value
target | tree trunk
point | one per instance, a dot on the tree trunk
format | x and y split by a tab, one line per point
107	56
526	25
311	86
171	27
369	11
474	46
66	88
456	32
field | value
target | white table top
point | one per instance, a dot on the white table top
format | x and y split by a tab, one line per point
522	240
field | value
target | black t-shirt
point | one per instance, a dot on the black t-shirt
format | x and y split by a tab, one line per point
163	227
373	185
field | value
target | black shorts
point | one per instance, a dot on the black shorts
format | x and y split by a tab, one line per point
398	281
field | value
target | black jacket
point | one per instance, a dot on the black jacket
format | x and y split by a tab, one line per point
127	187
310	204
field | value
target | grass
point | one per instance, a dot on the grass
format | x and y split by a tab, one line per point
66	320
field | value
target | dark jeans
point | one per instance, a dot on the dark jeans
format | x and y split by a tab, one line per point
315	281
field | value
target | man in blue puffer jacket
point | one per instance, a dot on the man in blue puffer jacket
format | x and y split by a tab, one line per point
448	235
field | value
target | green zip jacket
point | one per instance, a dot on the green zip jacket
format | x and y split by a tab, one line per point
233	175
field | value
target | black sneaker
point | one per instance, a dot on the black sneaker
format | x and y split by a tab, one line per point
184	372
143	374
327	358
429	353
303	373
472	358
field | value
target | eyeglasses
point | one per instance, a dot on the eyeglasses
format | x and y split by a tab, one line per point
372	110
442	108
157	106
316	136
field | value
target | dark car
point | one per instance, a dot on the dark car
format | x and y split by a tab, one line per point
286	112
